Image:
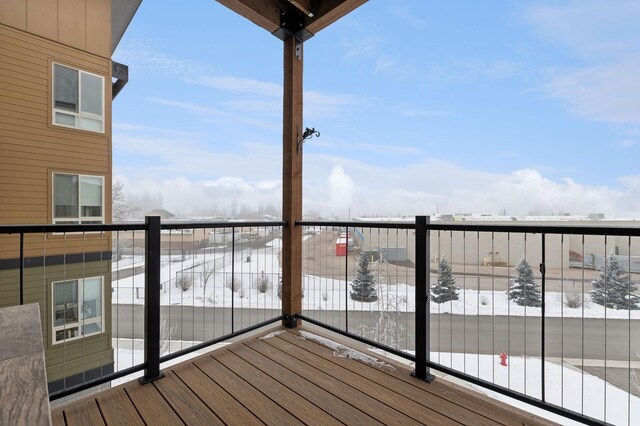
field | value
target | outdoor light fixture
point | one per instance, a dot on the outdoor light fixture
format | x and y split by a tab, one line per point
308	134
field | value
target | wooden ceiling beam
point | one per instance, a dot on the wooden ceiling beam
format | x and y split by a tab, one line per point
267	13
329	11
264	13
305	6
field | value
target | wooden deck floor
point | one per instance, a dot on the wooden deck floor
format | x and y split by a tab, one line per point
287	380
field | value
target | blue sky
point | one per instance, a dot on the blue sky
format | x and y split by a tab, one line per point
423	106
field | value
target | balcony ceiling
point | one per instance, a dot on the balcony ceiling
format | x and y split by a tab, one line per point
301	18
122	12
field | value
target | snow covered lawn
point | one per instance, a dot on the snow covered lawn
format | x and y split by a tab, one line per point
321	293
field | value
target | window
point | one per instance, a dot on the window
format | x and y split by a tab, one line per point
77	308
78	99
78	198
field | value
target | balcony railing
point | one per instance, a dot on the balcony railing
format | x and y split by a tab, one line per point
178	288
545	351
120	299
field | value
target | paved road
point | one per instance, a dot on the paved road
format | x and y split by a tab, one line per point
591	338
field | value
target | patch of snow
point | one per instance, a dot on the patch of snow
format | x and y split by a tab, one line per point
272	334
275	243
343	351
324	293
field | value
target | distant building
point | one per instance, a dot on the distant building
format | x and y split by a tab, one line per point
164	214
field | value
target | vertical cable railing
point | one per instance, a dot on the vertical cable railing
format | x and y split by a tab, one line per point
96	301
543	347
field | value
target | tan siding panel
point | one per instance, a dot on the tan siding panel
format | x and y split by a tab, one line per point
99	27
32	95
14	13
62	160
72	23
45	48
11	65
25	58
42	18
56	133
12	203
37	114
83	150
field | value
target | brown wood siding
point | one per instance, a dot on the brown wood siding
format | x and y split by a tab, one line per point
76	356
82	24
32	149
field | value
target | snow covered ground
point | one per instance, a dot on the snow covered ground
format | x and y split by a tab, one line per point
565	386
320	293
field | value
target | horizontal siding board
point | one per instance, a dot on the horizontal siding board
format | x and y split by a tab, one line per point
38	115
47	48
55	158
15	54
58	133
26	93
82	151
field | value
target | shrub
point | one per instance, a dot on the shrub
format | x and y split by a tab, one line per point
573	298
233	283
263	284
185	282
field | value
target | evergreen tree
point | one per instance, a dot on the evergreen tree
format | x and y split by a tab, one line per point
363	286
524	290
445	288
613	288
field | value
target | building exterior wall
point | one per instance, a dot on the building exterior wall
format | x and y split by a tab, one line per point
482	248
34	35
82	24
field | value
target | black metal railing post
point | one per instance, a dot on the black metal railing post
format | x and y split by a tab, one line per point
422	286
22	268
152	301
543	272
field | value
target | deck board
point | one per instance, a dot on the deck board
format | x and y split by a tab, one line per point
383	396
117	408
350	395
452	397
279	394
187	406
227	407
288	380
151	405
261	406
339	408
84	413
387	378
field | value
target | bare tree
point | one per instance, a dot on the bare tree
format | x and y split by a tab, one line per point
208	271
121	206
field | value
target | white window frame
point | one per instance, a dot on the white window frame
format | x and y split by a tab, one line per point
80	219
78	114
81	321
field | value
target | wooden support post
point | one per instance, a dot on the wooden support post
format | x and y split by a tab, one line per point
292	182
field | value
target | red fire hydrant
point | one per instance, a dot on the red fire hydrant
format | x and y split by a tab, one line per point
503	359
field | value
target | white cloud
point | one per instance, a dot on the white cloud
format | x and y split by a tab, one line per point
242	85
341	189
589	28
602	93
626	143
337	185
606	37
388	149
